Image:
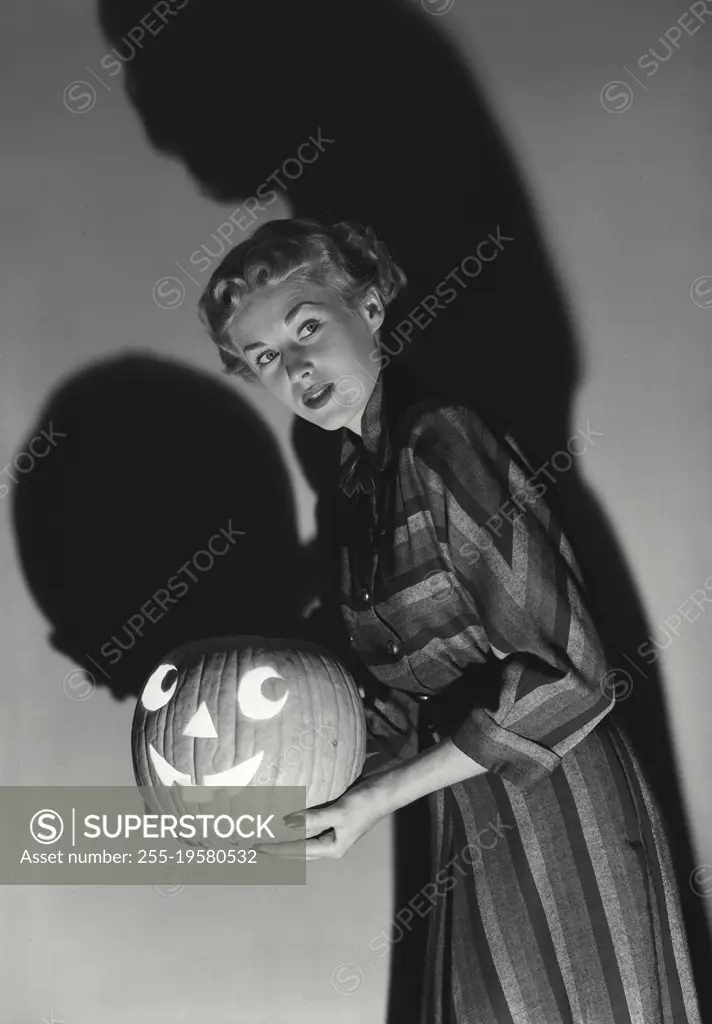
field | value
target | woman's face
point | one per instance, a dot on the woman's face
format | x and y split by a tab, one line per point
298	337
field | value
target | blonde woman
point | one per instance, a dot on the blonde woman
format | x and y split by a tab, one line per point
553	898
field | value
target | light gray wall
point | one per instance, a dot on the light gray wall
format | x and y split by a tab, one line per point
93	217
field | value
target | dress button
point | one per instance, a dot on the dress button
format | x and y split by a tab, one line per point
366	595
393	647
351	640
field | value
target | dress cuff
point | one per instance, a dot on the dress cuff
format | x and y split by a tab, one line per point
514	758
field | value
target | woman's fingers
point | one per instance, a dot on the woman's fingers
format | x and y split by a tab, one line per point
316	819
302	849
324	821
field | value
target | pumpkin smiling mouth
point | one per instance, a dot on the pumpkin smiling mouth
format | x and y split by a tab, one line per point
239	775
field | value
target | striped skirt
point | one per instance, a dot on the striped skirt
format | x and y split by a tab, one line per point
558	906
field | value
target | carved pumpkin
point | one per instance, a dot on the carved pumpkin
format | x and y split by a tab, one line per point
248	711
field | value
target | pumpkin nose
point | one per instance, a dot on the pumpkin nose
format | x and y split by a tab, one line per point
201	724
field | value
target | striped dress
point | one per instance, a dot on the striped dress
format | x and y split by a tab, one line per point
552	897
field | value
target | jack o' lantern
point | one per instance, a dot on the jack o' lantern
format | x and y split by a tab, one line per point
248	711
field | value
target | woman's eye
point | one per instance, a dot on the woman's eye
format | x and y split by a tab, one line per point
260	361
309	323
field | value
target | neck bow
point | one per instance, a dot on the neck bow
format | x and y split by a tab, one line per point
359	473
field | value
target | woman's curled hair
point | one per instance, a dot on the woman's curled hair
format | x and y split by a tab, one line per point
345	257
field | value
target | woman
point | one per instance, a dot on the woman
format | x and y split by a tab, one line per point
553	897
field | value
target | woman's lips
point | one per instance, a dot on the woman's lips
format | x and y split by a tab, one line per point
322	397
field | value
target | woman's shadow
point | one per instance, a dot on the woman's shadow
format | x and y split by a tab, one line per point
403	141
161	513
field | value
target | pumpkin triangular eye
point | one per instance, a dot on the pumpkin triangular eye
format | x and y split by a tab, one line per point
201	724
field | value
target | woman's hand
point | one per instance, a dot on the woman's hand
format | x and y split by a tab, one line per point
348	818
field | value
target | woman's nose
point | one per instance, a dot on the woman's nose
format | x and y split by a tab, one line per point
298	364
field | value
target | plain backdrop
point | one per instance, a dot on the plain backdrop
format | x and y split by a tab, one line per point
92	217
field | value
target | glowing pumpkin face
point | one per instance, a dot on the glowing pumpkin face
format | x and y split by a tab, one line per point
247	711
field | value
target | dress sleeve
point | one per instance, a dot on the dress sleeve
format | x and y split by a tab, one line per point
497	534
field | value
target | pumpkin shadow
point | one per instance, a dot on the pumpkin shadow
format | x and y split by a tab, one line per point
406	143
163	513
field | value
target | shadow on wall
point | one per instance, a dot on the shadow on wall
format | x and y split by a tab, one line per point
163	513
363	110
